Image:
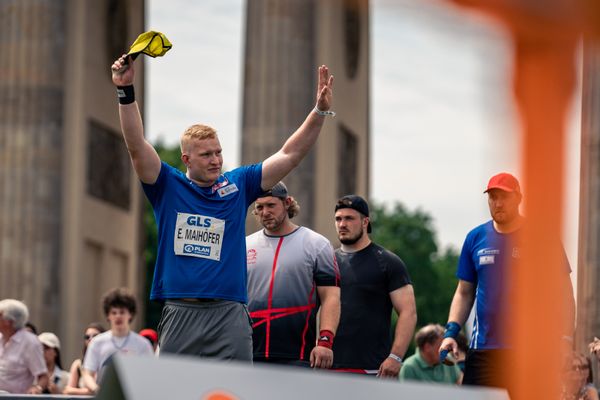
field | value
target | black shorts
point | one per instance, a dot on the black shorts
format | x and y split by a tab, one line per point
487	368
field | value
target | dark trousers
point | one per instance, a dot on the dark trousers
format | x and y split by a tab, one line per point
487	368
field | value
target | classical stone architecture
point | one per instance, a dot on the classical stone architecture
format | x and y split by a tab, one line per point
69	208
286	40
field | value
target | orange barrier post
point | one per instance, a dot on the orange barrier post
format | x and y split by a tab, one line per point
544	37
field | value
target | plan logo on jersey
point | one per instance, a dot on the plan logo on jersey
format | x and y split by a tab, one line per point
487	256
198	236
192	249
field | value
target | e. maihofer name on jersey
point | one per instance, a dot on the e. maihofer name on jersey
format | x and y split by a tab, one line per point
199	236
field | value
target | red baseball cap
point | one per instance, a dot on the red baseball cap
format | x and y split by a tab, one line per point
150	334
503	181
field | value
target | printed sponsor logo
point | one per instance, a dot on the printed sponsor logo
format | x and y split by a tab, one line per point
487	251
219	185
251	256
198	220
196	249
227	190
484	260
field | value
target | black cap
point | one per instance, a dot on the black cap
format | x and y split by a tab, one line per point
279	190
354	202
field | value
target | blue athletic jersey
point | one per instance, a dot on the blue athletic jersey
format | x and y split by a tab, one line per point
484	261
201	233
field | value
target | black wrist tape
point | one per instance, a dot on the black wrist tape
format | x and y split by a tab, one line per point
125	94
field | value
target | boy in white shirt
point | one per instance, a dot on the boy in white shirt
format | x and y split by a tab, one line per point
119	307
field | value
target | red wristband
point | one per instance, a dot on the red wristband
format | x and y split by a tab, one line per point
325	339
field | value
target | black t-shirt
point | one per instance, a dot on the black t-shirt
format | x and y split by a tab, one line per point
363	339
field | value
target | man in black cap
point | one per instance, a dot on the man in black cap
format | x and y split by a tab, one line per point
292	275
373	281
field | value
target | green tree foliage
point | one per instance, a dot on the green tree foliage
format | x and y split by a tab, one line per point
411	235
171	155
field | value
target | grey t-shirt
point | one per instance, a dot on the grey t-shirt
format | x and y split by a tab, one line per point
283	275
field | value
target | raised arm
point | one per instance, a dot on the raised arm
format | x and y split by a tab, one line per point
277	166
144	157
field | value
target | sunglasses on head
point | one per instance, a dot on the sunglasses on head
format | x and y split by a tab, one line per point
344	202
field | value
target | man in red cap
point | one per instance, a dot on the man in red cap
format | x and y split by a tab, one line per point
487	254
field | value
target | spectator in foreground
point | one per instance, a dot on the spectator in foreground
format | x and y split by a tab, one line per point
119	307
75	384
21	354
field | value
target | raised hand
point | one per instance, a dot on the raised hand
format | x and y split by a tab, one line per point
122	71
324	89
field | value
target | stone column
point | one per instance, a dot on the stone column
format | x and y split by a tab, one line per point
588	272
31	122
286	40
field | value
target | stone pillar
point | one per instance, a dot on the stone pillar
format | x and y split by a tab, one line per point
588	272
70	204
31	157
286	40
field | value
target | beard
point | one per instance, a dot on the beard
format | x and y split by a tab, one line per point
351	239
274	223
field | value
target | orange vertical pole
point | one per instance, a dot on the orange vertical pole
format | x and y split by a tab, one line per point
544	41
544	81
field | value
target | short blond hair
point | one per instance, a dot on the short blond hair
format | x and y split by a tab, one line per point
197	132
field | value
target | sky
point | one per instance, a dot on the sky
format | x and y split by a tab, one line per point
442	116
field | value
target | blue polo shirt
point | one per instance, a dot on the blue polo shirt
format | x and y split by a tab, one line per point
201	233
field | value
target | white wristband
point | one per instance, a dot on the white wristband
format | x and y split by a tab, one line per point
324	113
395	357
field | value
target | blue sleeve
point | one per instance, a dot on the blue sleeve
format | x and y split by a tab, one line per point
252	179
154	191
466	268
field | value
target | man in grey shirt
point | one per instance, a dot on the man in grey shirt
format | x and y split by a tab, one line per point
291	273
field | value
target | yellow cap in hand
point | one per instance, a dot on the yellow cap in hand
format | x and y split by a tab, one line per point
151	43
